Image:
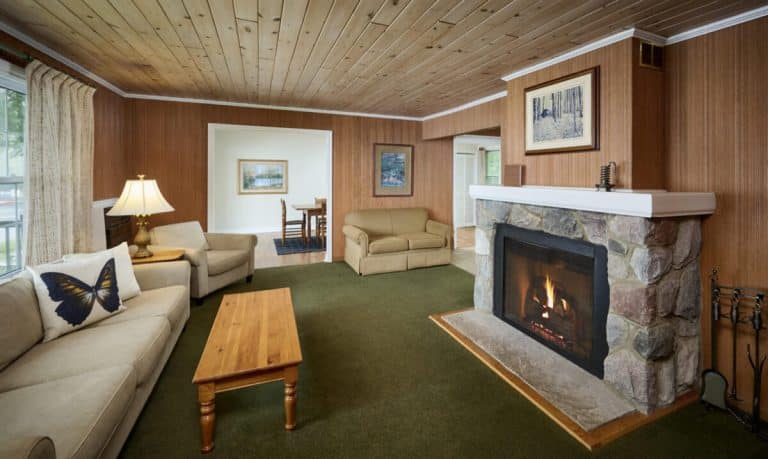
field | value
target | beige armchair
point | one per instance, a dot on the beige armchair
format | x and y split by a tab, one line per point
217	259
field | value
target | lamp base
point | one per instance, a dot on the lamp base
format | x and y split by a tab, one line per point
142	239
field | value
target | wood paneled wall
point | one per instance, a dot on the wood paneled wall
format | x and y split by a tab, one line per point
626	105
168	142
717	140
648	130
110	164
478	118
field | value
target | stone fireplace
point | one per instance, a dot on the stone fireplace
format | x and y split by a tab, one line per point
617	294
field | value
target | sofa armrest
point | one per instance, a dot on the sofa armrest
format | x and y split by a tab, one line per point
227	241
157	275
28	446
357	235
440	229
195	257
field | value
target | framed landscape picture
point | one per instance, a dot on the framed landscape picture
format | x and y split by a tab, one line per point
262	176
392	170
562	115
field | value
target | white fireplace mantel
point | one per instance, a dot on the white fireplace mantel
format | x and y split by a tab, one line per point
653	203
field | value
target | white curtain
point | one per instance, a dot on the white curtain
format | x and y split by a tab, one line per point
59	173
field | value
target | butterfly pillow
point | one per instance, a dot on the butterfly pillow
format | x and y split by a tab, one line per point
126	278
73	294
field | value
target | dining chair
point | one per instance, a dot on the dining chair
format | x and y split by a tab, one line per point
291	228
321	220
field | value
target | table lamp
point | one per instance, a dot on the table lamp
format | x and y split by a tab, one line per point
141	198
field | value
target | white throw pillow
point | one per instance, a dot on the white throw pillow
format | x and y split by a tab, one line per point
75	293
126	278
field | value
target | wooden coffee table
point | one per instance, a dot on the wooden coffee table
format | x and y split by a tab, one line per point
253	341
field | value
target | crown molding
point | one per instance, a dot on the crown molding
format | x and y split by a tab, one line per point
269	107
591	46
650	37
719	25
459	108
24	38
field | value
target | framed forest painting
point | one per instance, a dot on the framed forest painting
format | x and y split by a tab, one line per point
562	115
392	170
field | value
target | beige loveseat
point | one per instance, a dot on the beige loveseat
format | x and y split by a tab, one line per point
217	259
79	395
387	240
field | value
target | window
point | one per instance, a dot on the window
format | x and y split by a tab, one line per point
12	114
493	167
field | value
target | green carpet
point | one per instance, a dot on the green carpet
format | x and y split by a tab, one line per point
379	379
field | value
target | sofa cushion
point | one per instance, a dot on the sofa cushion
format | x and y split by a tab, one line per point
221	261
139	343
412	220
423	240
387	244
375	222
188	235
170	302
79	412
21	326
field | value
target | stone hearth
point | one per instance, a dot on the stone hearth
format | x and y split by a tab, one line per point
653	328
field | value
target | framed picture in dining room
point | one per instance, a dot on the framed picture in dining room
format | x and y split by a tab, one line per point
392	170
262	176
562	115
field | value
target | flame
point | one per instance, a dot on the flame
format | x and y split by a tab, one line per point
549	286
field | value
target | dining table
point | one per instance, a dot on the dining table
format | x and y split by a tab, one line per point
309	211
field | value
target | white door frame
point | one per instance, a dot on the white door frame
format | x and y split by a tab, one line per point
455	191
213	127
475	139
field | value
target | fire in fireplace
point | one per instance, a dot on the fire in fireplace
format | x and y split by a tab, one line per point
555	290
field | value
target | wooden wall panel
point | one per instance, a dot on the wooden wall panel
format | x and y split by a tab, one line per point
718	141
478	118
110	167
578	168
648	131
169	143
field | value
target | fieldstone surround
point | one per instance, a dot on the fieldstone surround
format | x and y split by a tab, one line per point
653	328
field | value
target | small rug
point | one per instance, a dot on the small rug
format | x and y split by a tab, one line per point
296	245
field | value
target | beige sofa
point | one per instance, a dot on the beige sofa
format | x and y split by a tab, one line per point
217	259
79	395
387	240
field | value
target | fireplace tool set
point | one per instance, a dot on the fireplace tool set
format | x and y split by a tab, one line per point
743	308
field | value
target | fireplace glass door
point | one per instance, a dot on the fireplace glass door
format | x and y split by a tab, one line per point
548	291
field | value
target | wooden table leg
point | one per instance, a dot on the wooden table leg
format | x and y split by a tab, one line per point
291	377
206	396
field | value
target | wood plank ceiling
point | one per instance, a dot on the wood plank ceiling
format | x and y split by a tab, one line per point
404	57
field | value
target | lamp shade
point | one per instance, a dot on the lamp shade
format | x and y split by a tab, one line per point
140	197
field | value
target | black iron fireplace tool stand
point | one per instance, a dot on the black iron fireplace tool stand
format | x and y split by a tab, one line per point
715	385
